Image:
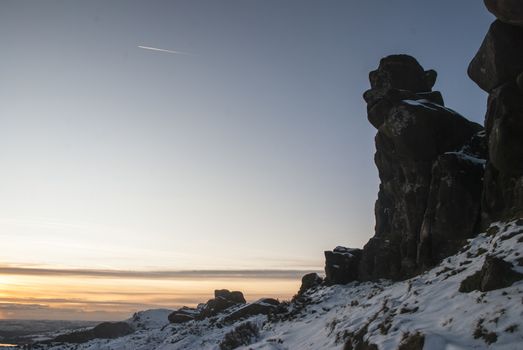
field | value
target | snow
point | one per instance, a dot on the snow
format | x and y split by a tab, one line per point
469	158
344	251
430	304
429	105
420	103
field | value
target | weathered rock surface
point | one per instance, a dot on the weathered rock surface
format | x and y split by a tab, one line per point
500	57
508	11
415	130
341	265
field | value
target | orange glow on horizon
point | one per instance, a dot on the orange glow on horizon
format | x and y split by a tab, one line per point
59	297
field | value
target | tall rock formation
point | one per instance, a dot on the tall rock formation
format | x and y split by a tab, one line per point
430	163
442	177
428	201
497	68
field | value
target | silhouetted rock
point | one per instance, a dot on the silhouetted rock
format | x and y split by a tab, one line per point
414	131
234	296
309	281
508	11
261	307
500	57
341	265
223	299
495	274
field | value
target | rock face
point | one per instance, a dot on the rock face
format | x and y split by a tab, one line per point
498	69
417	172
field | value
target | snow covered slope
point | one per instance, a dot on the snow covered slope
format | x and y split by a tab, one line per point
426	310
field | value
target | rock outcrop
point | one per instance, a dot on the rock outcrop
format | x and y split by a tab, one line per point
341	265
309	281
422	150
263	306
443	178
497	68
223	300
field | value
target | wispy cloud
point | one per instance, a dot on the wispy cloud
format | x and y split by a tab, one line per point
165	50
161	274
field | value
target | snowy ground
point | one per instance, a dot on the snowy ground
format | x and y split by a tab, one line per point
381	313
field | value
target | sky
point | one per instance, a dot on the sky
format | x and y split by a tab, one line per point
243	146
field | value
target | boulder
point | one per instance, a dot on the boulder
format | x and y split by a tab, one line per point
500	57
234	296
261	307
184	314
309	281
508	11
223	299
341	265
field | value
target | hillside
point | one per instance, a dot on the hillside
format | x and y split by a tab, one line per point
427	309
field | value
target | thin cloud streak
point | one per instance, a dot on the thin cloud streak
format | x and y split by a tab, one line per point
165	50
187	274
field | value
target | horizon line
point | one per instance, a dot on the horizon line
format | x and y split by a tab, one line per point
158	274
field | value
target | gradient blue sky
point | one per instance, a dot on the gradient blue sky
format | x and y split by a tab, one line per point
253	152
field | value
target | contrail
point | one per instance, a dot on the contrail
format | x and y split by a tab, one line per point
165	50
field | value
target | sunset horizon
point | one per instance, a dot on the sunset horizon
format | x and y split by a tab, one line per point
261	174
